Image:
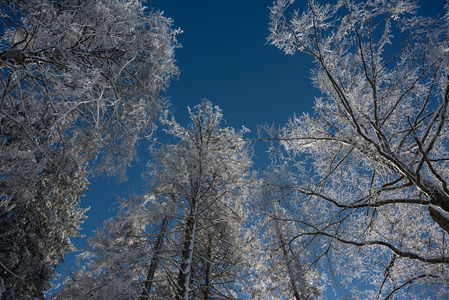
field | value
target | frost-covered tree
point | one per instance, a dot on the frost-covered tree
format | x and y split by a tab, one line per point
285	271
192	243
371	164
79	80
122	258
207	173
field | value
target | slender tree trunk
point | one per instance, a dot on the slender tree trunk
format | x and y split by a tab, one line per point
185	273
154	260
208	268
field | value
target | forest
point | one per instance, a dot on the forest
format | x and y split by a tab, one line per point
353	202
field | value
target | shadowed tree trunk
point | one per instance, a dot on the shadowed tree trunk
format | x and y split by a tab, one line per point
208	269
154	260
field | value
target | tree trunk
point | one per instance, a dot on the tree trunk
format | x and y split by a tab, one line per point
208	269
154	261
185	273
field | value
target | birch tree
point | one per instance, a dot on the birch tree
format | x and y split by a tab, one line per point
80	81
371	163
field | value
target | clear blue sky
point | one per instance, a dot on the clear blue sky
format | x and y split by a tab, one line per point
224	58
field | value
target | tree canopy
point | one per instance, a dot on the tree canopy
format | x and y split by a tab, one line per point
80	83
355	200
188	238
368	171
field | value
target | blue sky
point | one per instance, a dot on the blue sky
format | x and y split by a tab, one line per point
224	58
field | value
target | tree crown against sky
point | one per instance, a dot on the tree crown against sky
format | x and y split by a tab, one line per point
365	177
207	174
185	240
80	84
